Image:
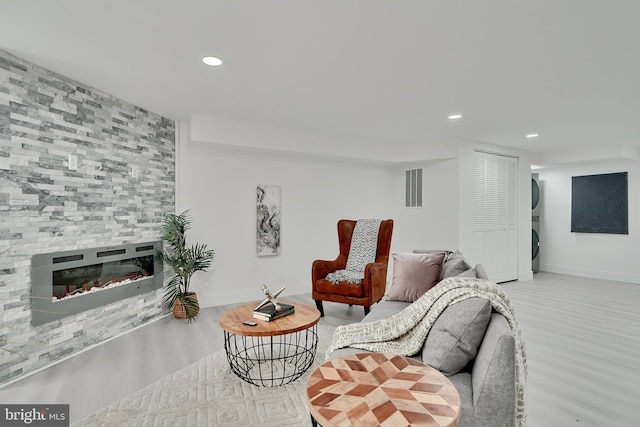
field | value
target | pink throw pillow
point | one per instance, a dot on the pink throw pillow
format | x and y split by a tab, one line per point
414	274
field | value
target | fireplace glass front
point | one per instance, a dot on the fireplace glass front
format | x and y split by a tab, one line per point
77	281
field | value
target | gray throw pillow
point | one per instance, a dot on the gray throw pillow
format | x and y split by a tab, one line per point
471	273
455	336
453	265
432	251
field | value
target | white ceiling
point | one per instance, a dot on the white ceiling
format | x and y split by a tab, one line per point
384	70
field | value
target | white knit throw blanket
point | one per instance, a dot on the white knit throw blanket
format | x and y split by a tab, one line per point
364	246
405	332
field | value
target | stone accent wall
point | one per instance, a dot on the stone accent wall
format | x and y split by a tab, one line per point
45	207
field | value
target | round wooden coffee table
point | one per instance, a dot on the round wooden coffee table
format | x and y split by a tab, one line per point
373	389
274	353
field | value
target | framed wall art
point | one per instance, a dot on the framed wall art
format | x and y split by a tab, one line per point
599	203
267	220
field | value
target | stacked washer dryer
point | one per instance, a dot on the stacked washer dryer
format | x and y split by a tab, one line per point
535	222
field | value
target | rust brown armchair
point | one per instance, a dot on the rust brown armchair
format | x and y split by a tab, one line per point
371	289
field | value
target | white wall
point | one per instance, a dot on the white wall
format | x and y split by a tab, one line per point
256	136
435	224
606	256
217	183
218	170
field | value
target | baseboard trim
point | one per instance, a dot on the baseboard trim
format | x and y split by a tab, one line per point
224	298
593	274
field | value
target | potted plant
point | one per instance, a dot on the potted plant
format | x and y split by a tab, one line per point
185	261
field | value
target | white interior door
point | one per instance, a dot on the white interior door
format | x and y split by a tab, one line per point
496	215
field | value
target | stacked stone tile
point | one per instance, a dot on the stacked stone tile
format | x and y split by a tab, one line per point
46	207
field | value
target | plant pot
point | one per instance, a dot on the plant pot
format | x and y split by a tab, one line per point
186	306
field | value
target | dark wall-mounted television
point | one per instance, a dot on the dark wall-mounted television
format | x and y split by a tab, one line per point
599	203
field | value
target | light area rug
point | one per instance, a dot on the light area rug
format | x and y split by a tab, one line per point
207	393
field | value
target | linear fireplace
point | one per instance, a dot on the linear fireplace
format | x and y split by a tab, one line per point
69	282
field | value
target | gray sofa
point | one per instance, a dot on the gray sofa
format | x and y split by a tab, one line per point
486	384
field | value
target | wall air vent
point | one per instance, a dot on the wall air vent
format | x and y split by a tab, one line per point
413	188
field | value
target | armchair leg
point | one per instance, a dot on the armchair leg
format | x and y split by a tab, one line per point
319	307
367	310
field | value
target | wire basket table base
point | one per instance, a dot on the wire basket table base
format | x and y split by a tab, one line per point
271	361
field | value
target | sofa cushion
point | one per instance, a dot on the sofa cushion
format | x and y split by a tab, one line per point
385	309
456	334
477	272
382	310
433	251
413	275
471	273
462	383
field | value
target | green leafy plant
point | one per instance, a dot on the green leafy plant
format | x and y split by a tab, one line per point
184	260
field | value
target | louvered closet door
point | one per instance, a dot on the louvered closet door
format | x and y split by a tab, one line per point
496	215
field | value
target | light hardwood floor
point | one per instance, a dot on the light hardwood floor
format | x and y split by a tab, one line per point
582	339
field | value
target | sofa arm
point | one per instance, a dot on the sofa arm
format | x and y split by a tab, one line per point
494	376
481	273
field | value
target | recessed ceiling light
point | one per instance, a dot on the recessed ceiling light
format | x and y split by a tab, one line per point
454	116
212	61
532	135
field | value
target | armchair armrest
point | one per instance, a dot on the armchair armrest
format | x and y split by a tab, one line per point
375	278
